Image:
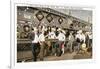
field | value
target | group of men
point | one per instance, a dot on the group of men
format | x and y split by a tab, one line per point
38	37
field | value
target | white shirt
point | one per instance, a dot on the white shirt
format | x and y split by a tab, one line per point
78	36
36	39
41	37
61	37
81	37
52	35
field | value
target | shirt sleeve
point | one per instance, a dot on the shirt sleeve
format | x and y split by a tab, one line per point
69	37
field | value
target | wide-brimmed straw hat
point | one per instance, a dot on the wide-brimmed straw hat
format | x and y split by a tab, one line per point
63	31
80	31
53	29
59	29
34	29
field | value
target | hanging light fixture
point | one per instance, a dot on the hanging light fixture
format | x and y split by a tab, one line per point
49	18
39	15
60	20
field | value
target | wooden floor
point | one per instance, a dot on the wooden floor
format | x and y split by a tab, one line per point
66	56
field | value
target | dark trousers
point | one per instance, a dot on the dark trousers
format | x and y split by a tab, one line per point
70	46
35	51
41	54
90	43
53	48
58	48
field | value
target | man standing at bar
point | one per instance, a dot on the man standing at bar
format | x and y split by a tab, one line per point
52	36
70	42
78	40
42	44
35	44
61	39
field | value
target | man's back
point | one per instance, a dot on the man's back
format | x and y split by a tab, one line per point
71	38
